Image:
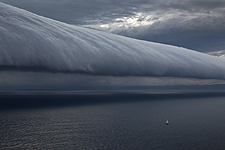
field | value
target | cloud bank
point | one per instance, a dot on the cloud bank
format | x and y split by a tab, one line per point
197	25
30	41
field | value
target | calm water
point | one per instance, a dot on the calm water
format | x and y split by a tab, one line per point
194	124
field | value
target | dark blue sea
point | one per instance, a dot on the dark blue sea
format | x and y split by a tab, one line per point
195	123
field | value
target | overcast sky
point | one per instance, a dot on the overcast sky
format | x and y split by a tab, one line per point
196	24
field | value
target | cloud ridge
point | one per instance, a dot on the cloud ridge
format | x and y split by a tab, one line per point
31	41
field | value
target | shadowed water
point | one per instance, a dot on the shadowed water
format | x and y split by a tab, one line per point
195	123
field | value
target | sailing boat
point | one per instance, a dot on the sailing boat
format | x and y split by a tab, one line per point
167	122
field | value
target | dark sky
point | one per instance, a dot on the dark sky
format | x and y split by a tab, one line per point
196	24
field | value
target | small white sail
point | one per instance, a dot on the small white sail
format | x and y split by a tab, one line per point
167	122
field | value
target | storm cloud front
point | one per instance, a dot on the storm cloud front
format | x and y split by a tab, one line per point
196	25
43	53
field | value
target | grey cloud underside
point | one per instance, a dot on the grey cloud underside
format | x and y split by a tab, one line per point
29	41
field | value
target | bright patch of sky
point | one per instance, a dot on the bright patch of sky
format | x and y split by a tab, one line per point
139	19
169	19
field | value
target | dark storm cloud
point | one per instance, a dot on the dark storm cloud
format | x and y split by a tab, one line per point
194	24
77	11
208	4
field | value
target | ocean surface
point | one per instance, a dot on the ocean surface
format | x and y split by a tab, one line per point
194	123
